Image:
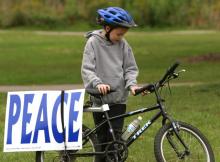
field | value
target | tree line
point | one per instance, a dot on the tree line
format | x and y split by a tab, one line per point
150	13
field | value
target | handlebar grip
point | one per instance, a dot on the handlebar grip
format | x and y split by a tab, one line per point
149	87
95	92
169	71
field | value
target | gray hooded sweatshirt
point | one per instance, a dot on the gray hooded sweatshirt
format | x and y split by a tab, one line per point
108	63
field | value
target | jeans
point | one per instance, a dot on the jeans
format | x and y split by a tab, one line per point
103	133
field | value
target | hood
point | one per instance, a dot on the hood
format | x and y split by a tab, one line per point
94	33
99	36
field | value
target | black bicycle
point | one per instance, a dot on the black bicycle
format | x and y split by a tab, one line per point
176	141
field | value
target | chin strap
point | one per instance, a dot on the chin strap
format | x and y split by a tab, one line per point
107	34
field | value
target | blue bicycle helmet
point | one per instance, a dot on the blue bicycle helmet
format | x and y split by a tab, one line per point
115	16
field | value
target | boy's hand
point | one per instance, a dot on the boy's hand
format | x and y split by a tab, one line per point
103	88
133	88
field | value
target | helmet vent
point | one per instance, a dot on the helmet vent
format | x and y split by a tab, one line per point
122	18
116	20
113	12
107	16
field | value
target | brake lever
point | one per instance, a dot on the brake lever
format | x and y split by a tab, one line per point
183	70
175	75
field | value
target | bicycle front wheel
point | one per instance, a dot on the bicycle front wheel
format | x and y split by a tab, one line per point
168	148
89	145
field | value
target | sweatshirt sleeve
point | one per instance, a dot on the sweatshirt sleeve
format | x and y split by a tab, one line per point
130	67
88	74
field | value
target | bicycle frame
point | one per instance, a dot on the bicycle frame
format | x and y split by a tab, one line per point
159	106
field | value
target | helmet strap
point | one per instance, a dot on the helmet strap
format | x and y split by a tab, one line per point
107	34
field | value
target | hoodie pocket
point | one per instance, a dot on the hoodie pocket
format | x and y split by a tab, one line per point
120	93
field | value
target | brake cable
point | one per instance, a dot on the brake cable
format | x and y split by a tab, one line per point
168	83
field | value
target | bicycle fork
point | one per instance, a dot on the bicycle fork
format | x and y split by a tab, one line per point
176	129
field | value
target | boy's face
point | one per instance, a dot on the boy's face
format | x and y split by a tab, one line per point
117	34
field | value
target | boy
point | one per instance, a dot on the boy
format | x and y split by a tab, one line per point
108	63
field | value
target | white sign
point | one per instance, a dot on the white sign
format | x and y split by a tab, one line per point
33	120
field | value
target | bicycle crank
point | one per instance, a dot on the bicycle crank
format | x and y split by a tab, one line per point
116	152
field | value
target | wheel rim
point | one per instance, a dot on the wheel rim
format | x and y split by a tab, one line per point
192	140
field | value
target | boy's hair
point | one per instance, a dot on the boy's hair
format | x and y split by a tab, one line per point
115	17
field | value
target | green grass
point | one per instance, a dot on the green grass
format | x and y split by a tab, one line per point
32	58
27	58
156	51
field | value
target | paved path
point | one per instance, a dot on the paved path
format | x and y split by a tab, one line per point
72	33
178	32
8	88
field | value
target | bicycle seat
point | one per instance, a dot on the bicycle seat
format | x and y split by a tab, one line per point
102	108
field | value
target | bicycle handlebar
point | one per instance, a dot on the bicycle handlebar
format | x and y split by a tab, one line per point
95	92
151	87
169	72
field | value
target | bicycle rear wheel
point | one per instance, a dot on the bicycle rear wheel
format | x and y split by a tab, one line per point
89	145
168	148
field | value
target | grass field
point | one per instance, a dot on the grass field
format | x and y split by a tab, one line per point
28	57
54	58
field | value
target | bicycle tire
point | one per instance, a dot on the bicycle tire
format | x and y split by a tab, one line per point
51	156
199	150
